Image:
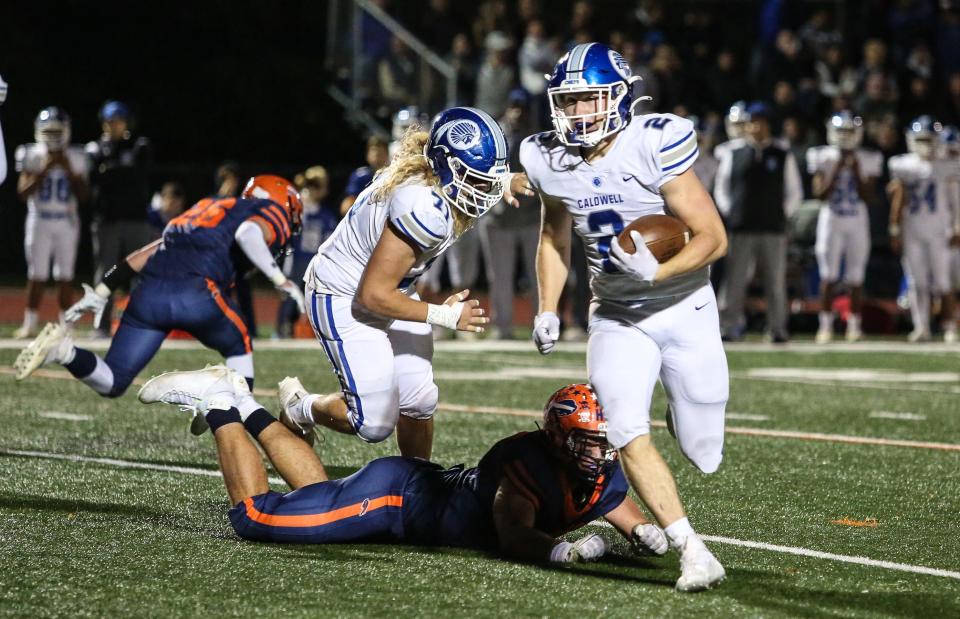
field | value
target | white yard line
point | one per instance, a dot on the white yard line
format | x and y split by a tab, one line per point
898	416
64	416
717	539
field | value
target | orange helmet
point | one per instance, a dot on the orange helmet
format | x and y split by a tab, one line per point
279	190
576	427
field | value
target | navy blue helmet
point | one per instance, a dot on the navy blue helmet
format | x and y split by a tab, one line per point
591	72
114	109
52	128
468	152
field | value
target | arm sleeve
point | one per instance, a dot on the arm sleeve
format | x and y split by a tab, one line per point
721	186
793	190
813	160
358	181
673	141
420	216
19	158
249	237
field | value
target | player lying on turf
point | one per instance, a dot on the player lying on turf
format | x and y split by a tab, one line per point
527	491
183	275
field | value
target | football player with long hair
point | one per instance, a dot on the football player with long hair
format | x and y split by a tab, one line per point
184	275
361	294
599	169
525	494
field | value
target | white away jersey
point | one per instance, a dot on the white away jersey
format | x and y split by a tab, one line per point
54	196
844	201
415	210
605	195
930	191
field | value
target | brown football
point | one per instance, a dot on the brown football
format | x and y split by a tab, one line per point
665	235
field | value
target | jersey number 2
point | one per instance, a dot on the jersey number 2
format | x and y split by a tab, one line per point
601	221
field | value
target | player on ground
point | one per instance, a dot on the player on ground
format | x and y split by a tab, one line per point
924	220
527	491
844	176
601	168
53	179
361	284
184	276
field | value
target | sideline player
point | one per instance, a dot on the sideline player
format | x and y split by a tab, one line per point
924	220
53	179
3	148
527	491
844	176
361	284
599	169
184	276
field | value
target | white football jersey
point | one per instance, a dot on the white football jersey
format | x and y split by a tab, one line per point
606	195
54	195
414	209
929	191
844	201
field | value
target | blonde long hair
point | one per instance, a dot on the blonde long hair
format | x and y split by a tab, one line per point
409	163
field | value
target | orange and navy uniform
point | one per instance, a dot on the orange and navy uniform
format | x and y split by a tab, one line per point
182	284
408	500
198	242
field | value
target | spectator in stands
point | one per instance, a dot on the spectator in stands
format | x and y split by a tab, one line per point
834	77
377	158
461	59
536	59
507	229
318	222
120	189
166	204
668	71
227	180
437	25
492	16
758	188
951	103
496	77
875	62
398	77
876	102
725	83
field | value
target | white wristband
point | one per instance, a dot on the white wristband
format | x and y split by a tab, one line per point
561	552
278	278
102	290
444	315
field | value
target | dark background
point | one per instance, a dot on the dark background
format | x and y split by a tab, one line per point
207	81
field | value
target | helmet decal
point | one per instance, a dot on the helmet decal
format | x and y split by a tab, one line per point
462	134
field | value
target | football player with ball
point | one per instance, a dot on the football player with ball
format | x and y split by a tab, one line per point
601	168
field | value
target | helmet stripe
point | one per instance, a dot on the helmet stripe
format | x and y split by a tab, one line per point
494	128
577	57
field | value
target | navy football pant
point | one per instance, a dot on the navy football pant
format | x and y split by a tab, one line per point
157	307
382	502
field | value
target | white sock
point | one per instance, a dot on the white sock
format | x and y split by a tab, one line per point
303	414
853	322
101	380
678	532
30	318
826	321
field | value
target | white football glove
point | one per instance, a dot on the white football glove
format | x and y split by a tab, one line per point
546	331
649	540
641	264
3	90
587	548
92	301
293	291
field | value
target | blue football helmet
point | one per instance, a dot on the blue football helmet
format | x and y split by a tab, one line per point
735	122
922	136
950	141
114	109
468	152
52	128
844	130
596	71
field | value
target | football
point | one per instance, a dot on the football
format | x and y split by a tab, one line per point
665	235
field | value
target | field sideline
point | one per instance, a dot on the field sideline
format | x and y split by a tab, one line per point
110	507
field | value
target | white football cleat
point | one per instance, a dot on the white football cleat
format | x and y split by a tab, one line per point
919	335
823	336
854	334
699	569
950	335
197	391
50	346
290	394
24	332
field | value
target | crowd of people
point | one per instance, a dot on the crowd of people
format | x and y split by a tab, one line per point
885	62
